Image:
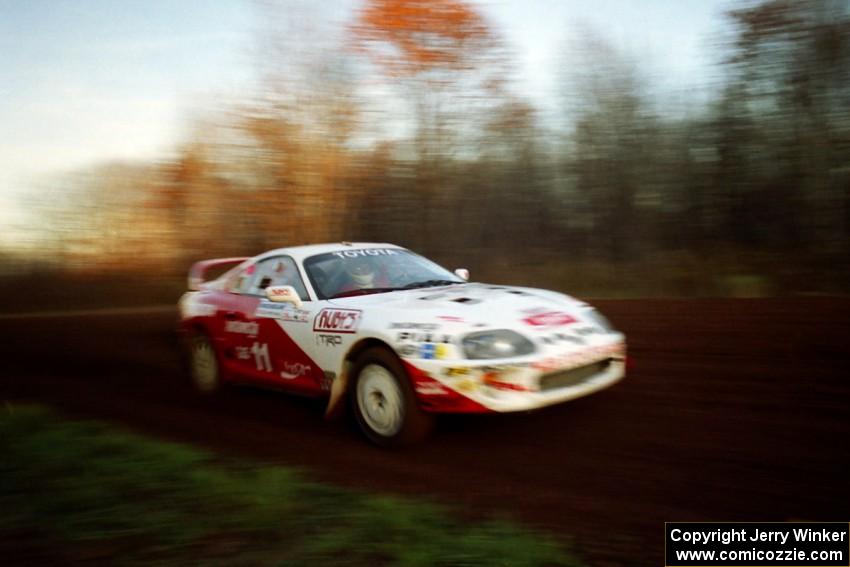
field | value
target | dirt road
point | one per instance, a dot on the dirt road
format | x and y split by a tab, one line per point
733	410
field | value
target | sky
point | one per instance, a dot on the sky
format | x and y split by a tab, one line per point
672	41
88	81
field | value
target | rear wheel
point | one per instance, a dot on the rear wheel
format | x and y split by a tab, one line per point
384	402
204	367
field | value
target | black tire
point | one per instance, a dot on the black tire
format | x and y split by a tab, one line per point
383	401
204	367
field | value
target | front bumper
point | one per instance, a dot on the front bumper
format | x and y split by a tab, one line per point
521	384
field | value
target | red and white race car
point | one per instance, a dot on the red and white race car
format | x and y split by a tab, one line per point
397	335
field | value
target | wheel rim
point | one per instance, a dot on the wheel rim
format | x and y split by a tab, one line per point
204	365
380	401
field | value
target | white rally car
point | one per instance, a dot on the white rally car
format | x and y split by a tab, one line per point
397	335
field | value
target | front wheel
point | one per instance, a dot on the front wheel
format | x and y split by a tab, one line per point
384	403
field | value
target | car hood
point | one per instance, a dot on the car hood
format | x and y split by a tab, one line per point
471	305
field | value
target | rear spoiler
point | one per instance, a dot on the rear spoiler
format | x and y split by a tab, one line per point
199	269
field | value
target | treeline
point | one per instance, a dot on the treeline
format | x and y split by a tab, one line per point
403	124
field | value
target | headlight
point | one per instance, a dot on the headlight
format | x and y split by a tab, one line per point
496	344
597	318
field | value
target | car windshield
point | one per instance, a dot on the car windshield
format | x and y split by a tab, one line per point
354	271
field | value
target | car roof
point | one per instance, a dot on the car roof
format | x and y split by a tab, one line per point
299	253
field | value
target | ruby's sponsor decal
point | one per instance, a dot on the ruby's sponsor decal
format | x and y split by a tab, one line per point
549	319
337	321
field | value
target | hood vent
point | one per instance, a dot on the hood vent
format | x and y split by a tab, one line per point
512	291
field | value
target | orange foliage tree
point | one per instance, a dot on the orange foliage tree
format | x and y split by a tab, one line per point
448	67
411	36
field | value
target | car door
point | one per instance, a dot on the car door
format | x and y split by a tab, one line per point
273	347
235	327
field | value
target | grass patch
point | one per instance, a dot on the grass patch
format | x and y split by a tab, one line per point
81	491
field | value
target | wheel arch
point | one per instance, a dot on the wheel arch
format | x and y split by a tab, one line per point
339	387
185	327
386	409
198	327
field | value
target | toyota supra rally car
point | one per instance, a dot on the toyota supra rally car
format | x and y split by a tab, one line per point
392	333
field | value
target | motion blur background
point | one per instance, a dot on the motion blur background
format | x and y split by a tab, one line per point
605	148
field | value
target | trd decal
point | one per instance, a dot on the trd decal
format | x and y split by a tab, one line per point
328	340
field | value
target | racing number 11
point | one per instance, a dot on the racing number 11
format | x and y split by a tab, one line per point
261	357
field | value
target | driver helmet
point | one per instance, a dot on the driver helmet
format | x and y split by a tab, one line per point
362	273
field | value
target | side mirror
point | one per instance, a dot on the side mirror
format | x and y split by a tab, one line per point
283	294
462	273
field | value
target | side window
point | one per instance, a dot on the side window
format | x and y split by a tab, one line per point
280	270
241	282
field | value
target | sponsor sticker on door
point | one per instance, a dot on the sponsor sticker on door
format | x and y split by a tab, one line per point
337	321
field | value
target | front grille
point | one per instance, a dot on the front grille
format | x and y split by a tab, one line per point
573	376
